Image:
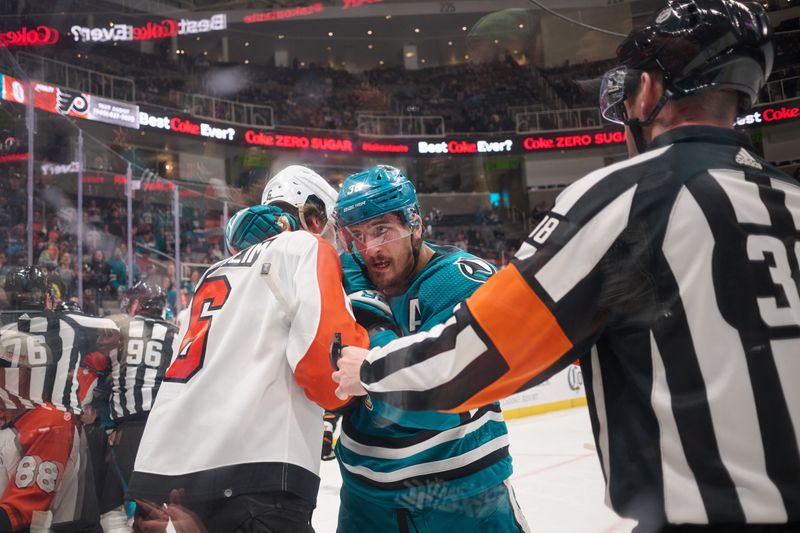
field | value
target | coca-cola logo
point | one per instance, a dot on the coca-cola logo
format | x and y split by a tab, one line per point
39	36
160	30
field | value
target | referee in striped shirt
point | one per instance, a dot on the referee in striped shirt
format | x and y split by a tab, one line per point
673	275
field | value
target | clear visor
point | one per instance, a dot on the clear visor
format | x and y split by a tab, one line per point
612	95
373	233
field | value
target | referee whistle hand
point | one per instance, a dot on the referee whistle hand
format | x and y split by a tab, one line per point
349	374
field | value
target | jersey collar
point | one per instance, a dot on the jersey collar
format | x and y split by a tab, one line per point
708	134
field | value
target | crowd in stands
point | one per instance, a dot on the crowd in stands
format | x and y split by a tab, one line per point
105	253
104	269
573	84
484	233
576	84
471	97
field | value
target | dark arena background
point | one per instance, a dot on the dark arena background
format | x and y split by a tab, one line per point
131	131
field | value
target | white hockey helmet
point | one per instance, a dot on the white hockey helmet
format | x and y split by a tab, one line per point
294	185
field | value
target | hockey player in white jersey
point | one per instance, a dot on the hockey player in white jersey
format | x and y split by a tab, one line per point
236	432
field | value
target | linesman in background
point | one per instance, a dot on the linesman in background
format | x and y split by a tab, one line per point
136	369
673	275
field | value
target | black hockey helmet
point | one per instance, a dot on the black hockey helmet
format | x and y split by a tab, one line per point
26	289
69	306
696	45
151	298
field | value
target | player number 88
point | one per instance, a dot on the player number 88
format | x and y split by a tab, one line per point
45	474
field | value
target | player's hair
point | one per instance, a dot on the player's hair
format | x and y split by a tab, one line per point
315	208
711	103
716	104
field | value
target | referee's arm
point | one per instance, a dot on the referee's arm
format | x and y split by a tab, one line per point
496	344
528	321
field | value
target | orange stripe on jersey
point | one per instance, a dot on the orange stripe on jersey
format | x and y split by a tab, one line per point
521	328
313	371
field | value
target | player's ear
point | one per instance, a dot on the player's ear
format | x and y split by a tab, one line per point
651	88
416	226
314	224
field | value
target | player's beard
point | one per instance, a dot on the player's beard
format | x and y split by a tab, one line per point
390	275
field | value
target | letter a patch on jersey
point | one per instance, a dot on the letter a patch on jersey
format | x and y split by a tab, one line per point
414	316
475	269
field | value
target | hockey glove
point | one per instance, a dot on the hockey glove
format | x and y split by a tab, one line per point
373	313
252	225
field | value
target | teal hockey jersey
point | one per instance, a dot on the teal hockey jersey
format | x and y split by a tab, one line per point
418	459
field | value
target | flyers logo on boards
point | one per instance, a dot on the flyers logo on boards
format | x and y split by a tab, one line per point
71	103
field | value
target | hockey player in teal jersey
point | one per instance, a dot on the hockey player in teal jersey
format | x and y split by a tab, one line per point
413	471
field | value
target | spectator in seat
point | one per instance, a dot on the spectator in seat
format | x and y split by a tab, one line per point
66	272
96	276
48	259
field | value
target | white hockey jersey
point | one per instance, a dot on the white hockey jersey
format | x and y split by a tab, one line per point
239	409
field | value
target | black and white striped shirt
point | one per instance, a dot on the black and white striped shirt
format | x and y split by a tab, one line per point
41	357
675	277
137	370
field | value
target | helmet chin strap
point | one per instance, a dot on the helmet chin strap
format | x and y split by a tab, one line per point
415	248
302	216
636	125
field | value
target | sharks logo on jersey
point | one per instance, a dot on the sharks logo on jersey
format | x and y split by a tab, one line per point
475	269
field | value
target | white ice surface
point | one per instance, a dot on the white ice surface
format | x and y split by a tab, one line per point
557	478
